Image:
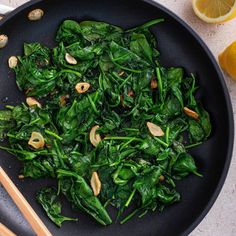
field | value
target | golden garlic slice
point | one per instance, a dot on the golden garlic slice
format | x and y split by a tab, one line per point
95	183
153	84
70	60
12	62
95	139
36	14
3	40
155	130
32	102
191	113
82	87
36	140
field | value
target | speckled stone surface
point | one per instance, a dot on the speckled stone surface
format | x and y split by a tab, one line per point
221	220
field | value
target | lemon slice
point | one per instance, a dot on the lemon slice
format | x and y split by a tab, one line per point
227	60
215	11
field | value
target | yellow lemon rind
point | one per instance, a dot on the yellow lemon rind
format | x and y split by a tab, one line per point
229	16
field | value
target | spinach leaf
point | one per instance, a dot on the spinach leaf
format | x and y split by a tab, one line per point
167	196
196	131
126	59
82	197
94	141
146	183
6	122
48	199
93	31
140	46
185	165
69	32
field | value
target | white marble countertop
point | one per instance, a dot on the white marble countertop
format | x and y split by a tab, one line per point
221	220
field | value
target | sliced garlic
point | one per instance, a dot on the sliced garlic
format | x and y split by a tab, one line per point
191	113
82	87
32	102
155	130
71	60
3	40
28	90
153	84
131	93
36	14
21	176
95	139
121	73
161	178
63	99
95	184
36	140
12	62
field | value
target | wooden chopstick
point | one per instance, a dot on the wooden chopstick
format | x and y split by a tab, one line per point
4	231
37	225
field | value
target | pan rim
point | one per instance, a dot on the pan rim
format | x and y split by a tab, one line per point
228	156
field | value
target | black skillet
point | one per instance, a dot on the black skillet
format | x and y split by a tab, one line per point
179	46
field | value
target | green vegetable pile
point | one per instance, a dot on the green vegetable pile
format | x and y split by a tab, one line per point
104	119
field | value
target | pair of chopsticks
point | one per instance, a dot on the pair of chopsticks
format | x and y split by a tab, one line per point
27	211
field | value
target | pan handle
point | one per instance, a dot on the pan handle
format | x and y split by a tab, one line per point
4	10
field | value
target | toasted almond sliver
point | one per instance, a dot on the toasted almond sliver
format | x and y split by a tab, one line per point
36	14
71	60
32	102
36	140
95	184
12	62
191	113
82	87
95	139
155	130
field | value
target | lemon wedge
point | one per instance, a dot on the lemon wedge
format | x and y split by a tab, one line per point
215	11
227	60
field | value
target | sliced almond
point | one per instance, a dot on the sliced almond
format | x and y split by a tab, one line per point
12	62
36	14
95	184
155	130
153	84
191	113
71	60
95	139
36	140
3	40
82	87
32	102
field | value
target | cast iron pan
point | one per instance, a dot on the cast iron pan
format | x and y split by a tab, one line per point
179	46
